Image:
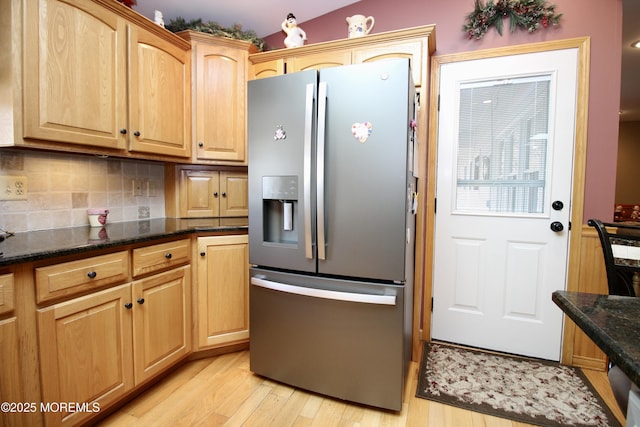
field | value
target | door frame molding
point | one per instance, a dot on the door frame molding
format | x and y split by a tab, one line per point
579	166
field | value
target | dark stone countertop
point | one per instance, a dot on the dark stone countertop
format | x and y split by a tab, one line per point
612	322
43	244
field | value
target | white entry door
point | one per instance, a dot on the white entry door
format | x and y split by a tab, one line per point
506	134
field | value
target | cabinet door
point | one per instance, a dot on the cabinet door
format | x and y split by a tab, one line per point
220	92
161	321
74	73
261	70
412	49
234	192
85	352
200	193
11	384
159	95
7	292
223	290
319	60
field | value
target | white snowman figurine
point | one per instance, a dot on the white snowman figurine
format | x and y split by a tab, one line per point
158	19
295	35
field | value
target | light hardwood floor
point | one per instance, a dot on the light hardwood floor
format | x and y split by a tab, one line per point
222	391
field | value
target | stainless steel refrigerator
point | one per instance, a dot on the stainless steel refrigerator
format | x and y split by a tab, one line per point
331	229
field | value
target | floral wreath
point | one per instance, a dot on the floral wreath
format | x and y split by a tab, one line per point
525	14
129	3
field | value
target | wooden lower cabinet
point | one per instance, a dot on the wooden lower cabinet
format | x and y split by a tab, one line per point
10	381
86	352
161	321
222	293
578	349
95	348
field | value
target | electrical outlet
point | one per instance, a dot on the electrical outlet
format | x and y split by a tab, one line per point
13	188
136	187
151	189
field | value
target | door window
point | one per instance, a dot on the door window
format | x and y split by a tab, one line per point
502	154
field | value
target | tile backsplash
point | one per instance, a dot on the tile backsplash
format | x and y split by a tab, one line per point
61	187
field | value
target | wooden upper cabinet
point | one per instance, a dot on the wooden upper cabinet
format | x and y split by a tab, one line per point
159	95
220	103
318	60
75	74
199	191
267	69
234	194
416	43
219	98
415	50
99	78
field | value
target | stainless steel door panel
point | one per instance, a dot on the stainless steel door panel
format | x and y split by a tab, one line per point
365	186
346	349
281	129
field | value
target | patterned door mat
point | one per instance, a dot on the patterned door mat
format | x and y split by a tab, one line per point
520	389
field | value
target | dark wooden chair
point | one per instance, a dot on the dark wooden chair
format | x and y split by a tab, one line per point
621	250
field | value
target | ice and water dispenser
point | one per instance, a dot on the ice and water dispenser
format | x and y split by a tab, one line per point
279	209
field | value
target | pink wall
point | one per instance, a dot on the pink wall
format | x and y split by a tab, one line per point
600	20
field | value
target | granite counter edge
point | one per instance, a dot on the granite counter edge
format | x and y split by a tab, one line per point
39	255
607	344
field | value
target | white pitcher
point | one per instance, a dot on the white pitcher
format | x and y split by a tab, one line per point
358	25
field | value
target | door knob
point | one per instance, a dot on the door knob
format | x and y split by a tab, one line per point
557	226
557	205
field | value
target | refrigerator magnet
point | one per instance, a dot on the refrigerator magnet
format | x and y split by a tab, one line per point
279	134
361	131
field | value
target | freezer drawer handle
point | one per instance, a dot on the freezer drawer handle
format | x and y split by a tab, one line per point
325	294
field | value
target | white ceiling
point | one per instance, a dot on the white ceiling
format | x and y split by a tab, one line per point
263	17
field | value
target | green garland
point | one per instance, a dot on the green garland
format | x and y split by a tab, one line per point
526	14
235	32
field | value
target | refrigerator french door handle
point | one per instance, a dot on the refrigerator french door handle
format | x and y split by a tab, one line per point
322	113
324	293
308	128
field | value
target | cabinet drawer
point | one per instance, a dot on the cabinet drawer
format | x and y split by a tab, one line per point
7	302
76	276
161	256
